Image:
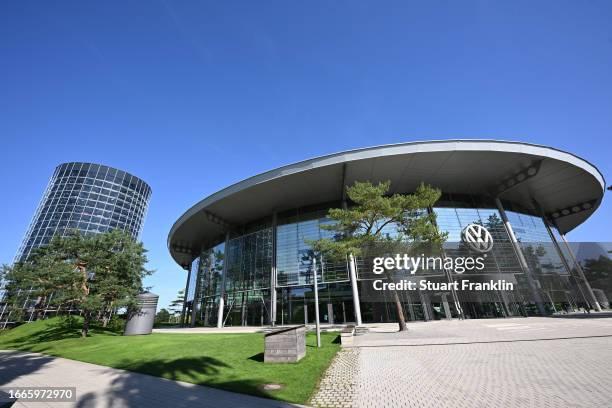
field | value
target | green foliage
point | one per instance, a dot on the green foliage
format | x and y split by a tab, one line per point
359	230
95	274
361	227
176	305
163	316
116	323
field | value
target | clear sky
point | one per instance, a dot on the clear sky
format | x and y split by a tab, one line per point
194	96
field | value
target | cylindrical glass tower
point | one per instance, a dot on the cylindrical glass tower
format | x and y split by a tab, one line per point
91	198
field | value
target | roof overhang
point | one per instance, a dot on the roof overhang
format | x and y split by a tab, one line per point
563	181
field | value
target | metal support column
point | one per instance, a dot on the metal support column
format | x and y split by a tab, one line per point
273	272
183	316
196	295
351	262
316	299
355	289
591	295
521	258
222	295
445	305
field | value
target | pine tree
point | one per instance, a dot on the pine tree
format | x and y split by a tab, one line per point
361	227
95	274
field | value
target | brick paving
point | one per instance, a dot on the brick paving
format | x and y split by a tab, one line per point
534	362
338	386
483	330
551	373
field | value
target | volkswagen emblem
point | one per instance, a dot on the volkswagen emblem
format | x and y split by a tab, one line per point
478	238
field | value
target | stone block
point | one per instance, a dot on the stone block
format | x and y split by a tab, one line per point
286	345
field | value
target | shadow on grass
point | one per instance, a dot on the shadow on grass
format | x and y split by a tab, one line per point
336	340
55	331
259	357
186	369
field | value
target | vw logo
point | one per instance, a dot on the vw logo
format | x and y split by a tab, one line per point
478	238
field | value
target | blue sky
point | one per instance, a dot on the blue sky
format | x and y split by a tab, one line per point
193	96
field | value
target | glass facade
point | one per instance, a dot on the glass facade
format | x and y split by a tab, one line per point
91	198
283	243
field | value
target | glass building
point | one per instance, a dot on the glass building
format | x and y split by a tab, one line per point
246	248
91	198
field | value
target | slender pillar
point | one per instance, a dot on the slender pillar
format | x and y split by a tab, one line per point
521	257
351	261
316	299
591	295
355	290
330	313
222	295
424	306
447	311
196	295
273	272
183	316
209	273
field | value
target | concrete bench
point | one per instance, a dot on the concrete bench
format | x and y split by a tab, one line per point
286	345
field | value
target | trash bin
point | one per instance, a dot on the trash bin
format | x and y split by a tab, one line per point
141	321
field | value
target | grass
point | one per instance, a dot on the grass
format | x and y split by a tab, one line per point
232	362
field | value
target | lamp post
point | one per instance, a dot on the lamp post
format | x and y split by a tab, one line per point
316	296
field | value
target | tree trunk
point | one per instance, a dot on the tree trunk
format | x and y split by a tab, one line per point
38	307
86	319
399	310
108	314
106	317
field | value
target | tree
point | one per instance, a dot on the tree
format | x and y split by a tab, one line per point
40	278
163	316
361	227
176	306
94	273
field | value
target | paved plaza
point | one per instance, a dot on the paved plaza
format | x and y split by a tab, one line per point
523	362
519	362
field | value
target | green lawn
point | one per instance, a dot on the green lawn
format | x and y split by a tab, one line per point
229	361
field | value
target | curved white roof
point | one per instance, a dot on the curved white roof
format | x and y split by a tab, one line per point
455	166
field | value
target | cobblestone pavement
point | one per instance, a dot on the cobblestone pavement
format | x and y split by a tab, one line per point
483	330
337	389
533	362
548	373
